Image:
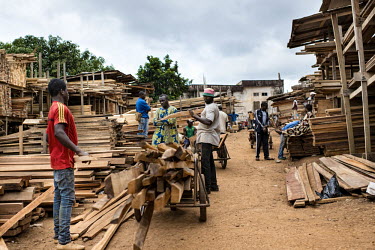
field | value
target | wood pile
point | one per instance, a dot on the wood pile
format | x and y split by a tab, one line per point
302	146
76	110
33	142
331	132
5	100
13	67
20	106
353	174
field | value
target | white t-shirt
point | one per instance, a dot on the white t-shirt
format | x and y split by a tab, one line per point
209	133
223	117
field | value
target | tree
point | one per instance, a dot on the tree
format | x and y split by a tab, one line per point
164	76
56	49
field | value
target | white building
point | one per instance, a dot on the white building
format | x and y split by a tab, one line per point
250	93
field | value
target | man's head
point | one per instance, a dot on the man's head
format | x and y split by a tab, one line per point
264	106
190	122
312	94
57	89
163	99
308	107
233	112
220	108
208	95
142	95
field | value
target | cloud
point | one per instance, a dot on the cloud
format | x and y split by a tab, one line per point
228	41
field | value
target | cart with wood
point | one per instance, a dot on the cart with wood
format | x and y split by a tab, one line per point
222	152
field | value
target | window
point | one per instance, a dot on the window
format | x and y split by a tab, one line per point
256	94
264	94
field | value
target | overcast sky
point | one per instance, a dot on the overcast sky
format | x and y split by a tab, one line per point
227	41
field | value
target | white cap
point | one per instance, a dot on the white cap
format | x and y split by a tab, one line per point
312	93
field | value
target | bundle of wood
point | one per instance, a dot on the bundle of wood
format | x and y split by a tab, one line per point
19	203
20	106
331	133
31	140
13	67
5	100
301	146
168	172
353	174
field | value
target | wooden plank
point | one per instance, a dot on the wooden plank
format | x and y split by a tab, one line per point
352	178
3	245
364	161
10	208
330	200
135	185
121	211
306	183
177	189
12	184
139	199
100	203
294	187
140	235
162	200
313	184
26	195
327	173
25	211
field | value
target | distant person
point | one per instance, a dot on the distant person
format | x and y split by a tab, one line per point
189	131
223	117
262	122
233	117
165	130
62	139
143	108
280	155
208	136
251	120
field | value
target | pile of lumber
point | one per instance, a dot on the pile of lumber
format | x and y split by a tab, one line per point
331	133
301	146
31	140
353	174
20	106
19	204
76	110
13	67
5	100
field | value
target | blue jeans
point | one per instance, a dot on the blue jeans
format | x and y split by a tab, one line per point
282	145
143	125
62	203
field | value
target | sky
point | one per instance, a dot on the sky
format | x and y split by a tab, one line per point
225	40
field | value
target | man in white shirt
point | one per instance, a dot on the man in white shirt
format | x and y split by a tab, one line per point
208	135
223	117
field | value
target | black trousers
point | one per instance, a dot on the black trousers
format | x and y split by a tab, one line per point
208	166
262	141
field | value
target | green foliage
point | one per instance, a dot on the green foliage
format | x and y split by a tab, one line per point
56	49
165	77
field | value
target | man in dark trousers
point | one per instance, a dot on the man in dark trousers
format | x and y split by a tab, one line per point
143	108
208	135
62	140
262	121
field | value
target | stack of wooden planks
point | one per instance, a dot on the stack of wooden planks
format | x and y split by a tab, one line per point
13	67
353	174
5	100
331	133
20	106
302	146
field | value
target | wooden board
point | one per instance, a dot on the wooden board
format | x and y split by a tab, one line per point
311	196
26	195
294	187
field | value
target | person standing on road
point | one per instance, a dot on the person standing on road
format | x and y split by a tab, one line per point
143	108
63	140
166	130
208	135
262	121
223	120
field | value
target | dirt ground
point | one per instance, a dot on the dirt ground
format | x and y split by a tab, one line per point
250	211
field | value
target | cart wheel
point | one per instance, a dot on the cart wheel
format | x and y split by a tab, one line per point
222	153
224	164
173	208
252	145
202	200
138	213
271	146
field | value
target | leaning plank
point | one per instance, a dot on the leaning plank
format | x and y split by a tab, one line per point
364	161
135	185
121	211
140	235
327	174
102	244
177	191
312	180
100	203
25	211
294	187
139	199
162	199
98	225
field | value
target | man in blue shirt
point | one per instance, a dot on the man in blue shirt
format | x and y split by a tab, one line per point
233	117
142	107
283	139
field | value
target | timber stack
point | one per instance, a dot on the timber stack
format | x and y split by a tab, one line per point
353	174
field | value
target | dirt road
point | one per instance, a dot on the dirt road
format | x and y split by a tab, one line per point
250	211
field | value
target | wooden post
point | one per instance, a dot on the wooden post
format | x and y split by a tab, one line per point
102	77
48	100
82	108
32	103
44	142
93	77
40	64
6	125
31	70
64	72
104	105
58	69
20	142
344	83
41	101
334	76
221	98
94	108
362	69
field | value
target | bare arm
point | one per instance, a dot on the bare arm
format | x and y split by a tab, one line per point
205	121
63	138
